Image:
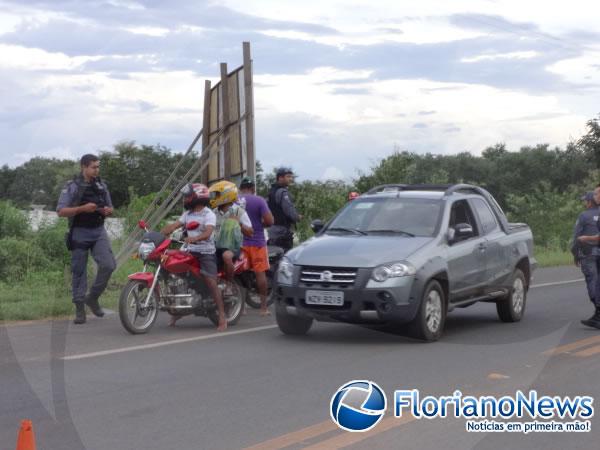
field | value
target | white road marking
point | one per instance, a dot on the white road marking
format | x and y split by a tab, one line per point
165	343
557	283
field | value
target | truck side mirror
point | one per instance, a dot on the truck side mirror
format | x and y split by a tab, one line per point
463	231
317	225
460	232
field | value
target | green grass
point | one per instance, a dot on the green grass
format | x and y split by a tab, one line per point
48	294
548	257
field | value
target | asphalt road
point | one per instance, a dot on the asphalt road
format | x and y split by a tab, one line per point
97	387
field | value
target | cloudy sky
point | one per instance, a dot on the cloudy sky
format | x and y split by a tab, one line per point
338	83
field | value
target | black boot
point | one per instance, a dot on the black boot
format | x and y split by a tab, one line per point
593	321
79	313
94	306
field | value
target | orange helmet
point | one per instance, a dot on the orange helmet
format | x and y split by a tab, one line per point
352	195
194	194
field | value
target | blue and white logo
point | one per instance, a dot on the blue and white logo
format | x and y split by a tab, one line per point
358	405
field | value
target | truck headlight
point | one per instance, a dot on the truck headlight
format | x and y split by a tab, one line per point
285	271
386	271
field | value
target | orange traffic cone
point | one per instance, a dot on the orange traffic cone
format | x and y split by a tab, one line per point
26	439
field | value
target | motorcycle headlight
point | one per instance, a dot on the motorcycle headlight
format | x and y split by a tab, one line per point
285	271
386	271
145	249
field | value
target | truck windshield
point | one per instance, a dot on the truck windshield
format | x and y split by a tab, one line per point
388	216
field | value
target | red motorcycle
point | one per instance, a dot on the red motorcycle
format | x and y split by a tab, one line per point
174	285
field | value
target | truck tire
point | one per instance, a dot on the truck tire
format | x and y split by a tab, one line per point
292	325
428	325
511	308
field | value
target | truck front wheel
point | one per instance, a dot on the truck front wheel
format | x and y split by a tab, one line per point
428	325
289	324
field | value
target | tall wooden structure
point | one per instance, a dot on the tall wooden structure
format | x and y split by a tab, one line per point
227	146
229	107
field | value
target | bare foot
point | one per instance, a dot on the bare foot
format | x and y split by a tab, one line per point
265	312
174	320
222	326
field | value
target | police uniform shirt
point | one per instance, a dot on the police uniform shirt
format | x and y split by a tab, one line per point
586	225
69	193
79	191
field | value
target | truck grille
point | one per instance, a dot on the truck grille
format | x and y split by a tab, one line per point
339	276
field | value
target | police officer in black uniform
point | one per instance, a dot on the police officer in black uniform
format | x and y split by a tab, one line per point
85	200
585	255
281	205
592	238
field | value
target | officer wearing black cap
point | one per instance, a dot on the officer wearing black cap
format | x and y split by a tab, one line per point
281	205
86	202
585	255
592	238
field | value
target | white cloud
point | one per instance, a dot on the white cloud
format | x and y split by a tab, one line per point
333	173
16	56
416	31
346	15
398	101
494	56
307	93
582	70
8	22
131	5
149	31
299	136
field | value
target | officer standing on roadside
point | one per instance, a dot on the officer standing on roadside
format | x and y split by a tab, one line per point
585	255
281	205
592	238
86	202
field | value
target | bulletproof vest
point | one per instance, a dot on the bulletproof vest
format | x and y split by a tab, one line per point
94	192
275	207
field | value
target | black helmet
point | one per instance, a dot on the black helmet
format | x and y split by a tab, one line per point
247	182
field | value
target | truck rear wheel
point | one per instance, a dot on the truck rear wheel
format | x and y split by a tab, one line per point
512	307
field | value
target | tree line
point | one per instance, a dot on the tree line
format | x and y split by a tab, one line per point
536	184
130	170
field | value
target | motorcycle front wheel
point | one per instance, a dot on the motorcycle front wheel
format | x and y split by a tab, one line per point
136	318
233	303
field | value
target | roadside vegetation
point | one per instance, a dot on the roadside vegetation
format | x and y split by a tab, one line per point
537	185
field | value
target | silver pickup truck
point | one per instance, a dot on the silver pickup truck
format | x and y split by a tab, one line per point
407	255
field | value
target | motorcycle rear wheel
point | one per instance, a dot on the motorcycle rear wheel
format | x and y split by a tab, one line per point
130	309
253	299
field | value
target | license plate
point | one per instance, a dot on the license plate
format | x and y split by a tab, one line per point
331	298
